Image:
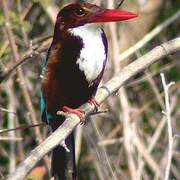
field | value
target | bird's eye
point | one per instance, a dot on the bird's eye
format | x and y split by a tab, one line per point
80	12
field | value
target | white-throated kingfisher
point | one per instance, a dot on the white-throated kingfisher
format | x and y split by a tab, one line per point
75	64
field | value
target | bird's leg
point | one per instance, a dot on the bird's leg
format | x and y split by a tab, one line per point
79	112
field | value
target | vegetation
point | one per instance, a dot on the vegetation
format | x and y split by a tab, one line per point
130	140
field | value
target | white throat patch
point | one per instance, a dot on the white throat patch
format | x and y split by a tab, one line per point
92	55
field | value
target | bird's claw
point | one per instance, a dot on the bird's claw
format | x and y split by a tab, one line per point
79	112
92	102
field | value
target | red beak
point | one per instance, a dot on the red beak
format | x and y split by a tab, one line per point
110	15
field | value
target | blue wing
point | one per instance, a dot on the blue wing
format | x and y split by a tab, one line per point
46	117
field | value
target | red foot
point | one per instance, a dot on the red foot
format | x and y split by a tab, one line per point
92	102
78	112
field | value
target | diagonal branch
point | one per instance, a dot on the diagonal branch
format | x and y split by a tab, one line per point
148	37
102	94
32	53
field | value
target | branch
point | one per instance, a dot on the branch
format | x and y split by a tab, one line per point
167	113
32	53
22	84
102	94
22	127
148	37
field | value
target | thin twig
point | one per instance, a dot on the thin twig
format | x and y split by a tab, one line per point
167	113
120	4
27	56
148	37
6	110
151	102
144	152
118	128
9	138
123	101
22	127
11	123
154	140
155	89
78	140
103	152
109	142
157	72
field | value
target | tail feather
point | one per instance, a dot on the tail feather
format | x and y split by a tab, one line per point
58	163
63	163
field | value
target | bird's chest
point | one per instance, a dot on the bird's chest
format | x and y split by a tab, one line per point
92	55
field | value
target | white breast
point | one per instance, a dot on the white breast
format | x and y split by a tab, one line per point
92	54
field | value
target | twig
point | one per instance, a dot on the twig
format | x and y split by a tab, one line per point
151	102
117	128
128	133
12	122
103	152
113	132
9	138
50	9
167	113
109	142
123	101
22	17
119	4
78	140
154	140
6	110
148	37
155	89
160	70
22	127
144	152
29	55
22	83
102	94
2	176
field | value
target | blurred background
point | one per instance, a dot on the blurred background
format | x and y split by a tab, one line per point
130	140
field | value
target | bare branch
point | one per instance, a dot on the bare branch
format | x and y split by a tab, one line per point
23	86
148	37
119	4
6	110
22	127
32	53
167	113
102	94
9	138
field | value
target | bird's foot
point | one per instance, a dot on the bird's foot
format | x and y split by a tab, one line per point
79	112
92	102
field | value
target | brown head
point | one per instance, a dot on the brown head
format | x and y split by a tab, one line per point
81	13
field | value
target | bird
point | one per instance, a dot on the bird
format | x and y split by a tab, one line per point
74	67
